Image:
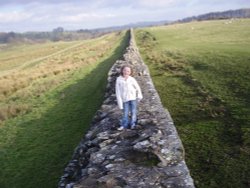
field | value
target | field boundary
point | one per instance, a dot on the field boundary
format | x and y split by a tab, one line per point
150	156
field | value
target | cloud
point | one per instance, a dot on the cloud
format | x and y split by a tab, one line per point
25	2
158	4
85	17
14	16
48	14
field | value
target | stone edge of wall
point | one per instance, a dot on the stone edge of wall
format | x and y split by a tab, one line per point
166	142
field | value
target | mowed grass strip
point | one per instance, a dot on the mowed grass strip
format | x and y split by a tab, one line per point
39	76
36	146
13	56
201	71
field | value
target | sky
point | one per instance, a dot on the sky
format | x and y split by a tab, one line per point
45	15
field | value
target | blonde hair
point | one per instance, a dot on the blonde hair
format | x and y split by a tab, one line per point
123	67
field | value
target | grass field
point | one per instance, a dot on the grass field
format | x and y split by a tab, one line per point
201	71
13	56
49	94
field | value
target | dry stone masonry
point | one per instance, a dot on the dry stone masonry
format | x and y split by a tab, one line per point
150	156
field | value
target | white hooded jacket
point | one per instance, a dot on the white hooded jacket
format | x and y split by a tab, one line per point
126	90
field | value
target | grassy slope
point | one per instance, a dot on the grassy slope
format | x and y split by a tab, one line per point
14	56
35	147
201	71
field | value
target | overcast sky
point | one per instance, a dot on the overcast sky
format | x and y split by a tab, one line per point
45	15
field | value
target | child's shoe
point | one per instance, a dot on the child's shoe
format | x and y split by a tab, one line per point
120	128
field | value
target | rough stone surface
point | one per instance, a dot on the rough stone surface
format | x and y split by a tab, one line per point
150	156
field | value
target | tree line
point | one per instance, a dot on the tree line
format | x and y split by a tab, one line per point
58	34
239	13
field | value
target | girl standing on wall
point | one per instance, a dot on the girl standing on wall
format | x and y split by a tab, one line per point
128	93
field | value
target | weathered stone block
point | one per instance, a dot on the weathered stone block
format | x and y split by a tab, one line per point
150	156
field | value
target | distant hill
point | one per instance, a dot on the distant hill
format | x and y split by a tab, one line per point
239	13
131	25
59	34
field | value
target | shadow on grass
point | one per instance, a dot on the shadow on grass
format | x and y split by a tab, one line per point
43	147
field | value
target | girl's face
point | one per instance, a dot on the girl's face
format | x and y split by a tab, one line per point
126	71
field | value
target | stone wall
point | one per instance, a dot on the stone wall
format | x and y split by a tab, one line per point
150	156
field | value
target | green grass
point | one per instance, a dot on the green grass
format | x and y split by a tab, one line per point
33	79
13	56
36	146
201	71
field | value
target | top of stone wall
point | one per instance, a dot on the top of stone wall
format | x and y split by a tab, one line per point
150	156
